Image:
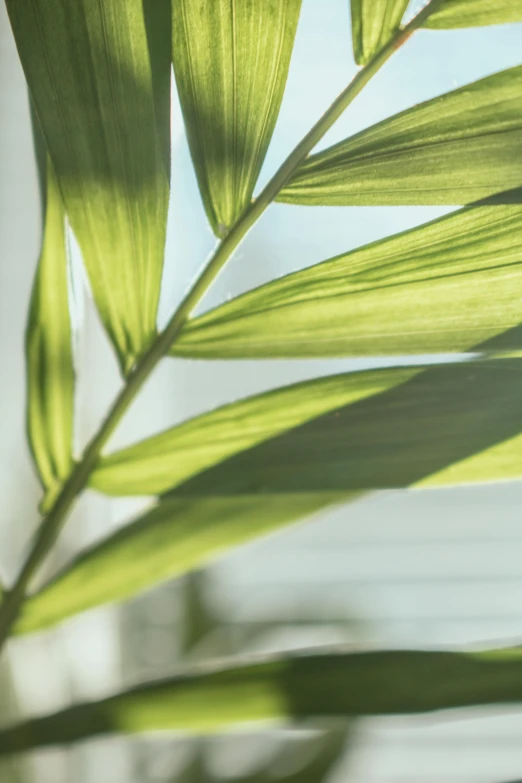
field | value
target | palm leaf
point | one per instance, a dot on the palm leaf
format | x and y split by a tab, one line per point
334	684
455	149
231	60
463	13
98	74
373	24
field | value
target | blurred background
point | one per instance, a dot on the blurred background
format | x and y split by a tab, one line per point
420	568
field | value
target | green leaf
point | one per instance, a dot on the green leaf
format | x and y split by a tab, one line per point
170	540
445	424
447	286
373	24
335	684
159	463
414	426
459	148
463	13
98	74
49	351
231	62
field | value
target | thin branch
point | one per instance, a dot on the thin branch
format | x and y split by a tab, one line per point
53	522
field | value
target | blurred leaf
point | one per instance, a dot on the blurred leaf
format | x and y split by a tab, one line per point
171	539
461	419
464	13
231	62
335	684
455	149
199	621
159	463
49	350
446	286
373	24
98	74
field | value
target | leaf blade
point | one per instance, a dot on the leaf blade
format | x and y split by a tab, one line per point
373	24
94	81
400	682
168	541
159	463
455	149
49	350
461	13
448	286
231	61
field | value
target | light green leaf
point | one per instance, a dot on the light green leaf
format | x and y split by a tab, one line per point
159	463
447	286
335	684
171	539
459	148
420	424
464	417
450	285
231	61
49	351
474	13
373	24
98	74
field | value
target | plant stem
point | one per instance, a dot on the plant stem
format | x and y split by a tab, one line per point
53	522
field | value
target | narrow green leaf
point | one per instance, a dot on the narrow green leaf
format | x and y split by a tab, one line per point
373	24
450	285
336	684
465	418
98	74
456	149
159	463
49	351
231	62
478	13
171	539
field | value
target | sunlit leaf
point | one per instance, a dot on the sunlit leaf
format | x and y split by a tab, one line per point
455	149
373	24
447	286
231	60
474	13
171	539
336	684
447	416
98	74
421	423
159	463
49	350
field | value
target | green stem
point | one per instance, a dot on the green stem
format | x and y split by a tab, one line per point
53	522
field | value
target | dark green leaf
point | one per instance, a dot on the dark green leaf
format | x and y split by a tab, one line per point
455	149
171	539
373	24
98	74
475	13
335	684
49	352
231	61
447	286
163	461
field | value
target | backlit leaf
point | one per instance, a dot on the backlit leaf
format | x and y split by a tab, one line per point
465	418
474	13
455	149
231	60
450	285
49	351
159	463
336	684
421	423
373	24
98	74
171	539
